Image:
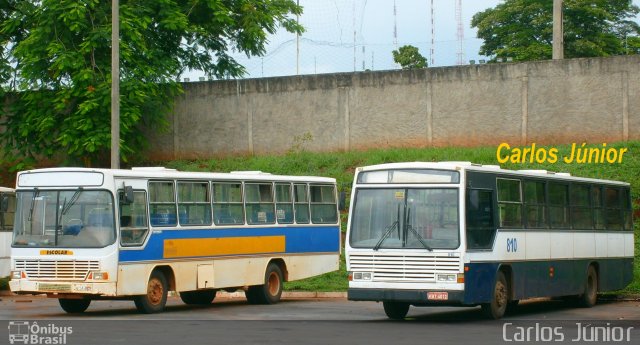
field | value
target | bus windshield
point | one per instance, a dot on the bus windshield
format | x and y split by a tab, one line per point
412	218
65	218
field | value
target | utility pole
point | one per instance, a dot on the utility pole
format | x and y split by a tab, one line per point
558	31
115	85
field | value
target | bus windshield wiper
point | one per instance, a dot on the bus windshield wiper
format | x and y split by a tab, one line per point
389	230
413	230
33	203
66	206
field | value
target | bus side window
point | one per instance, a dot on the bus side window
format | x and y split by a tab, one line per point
509	203
259	203
480	225
323	204
162	203
301	203
227	203
133	220
284	205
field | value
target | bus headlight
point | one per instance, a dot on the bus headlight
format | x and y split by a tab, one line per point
362	275
18	275
97	275
446	278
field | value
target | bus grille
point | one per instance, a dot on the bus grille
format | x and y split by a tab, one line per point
404	268
57	269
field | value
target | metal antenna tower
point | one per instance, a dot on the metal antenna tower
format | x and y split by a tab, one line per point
395	26
460	34
432	52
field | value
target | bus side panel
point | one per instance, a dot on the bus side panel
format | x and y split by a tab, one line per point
548	278
615	274
300	267
131	281
552	278
239	272
5	252
478	282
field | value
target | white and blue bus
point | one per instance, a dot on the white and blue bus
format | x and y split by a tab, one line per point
88	234
7	210
456	233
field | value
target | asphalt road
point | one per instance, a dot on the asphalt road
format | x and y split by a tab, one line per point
315	321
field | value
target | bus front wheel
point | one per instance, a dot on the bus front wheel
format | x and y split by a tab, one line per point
73	306
156	298
396	310
271	291
499	301
590	296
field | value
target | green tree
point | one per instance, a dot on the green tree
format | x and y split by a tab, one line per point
55	66
523	29
408	57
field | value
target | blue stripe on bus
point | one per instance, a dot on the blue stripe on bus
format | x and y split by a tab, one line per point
298	240
550	278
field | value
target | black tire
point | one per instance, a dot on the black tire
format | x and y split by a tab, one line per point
396	310
201	297
512	306
73	306
156	298
271	291
499	299
590	295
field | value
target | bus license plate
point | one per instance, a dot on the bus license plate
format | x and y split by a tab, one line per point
438	296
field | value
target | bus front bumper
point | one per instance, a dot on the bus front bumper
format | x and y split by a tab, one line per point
26	286
414	297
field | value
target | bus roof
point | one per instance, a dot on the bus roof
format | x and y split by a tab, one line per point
468	166
163	173
6	190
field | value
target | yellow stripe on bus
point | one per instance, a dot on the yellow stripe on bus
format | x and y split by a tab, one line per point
175	248
56	252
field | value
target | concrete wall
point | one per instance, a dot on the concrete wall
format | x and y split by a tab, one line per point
592	100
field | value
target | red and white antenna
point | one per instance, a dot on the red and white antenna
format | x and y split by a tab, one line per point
460	34
432	52
395	26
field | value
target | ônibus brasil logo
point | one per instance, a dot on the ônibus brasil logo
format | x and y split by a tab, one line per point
25	332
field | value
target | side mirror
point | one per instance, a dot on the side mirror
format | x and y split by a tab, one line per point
342	201
127	196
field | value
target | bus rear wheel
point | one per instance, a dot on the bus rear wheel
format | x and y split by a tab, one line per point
73	306
396	310
202	297
271	291
499	300
156	298
590	296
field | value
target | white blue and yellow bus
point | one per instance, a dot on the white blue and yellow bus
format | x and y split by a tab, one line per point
87	234
7	210
456	233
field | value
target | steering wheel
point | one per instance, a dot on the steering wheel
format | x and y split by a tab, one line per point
73	226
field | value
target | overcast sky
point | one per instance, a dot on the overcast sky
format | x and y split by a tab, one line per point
327	46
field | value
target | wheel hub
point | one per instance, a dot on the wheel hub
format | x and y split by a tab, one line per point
274	283
155	291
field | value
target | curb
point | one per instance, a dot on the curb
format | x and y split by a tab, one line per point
289	294
629	298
